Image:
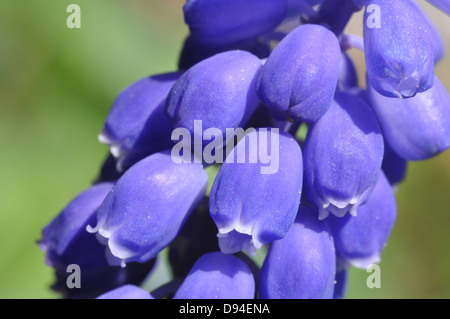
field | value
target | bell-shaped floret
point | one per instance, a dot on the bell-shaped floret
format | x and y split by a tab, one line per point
148	206
299	78
343	156
302	265
255	196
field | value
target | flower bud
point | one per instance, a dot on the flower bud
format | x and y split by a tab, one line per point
342	156
299	78
253	202
148	206
218	92
417	128
218	276
360	240
302	265
136	125
224	22
398	52
66	242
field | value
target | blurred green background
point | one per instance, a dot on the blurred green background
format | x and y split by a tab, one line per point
56	86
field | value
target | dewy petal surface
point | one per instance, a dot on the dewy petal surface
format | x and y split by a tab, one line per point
398	52
302	265
148	206
253	207
417	128
218	276
343	155
299	78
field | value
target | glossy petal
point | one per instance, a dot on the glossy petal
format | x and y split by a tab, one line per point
252	207
398	53
218	276
360	240
148	206
302	265
299	78
219	91
136	125
417	128
126	292
342	156
224	22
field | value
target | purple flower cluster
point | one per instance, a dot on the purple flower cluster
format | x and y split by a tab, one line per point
274	69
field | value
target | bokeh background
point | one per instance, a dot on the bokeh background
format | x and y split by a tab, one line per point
56	86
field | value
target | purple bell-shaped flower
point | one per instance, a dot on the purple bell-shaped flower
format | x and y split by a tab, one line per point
343	156
255	197
302	265
148	206
299	78
398	52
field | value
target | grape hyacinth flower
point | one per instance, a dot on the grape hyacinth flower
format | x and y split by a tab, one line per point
360	240
218	276
251	208
416	128
302	265
66	243
303	195
218	92
343	156
225	22
398	52
136	125
293	83
147	207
